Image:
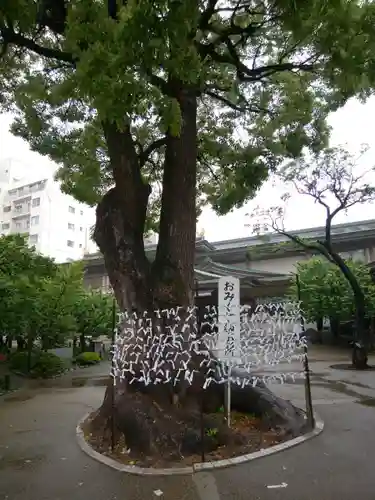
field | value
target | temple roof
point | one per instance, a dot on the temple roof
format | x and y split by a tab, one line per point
238	248
208	272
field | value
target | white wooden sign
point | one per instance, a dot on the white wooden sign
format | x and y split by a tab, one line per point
229	326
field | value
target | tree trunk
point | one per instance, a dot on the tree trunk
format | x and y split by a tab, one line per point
361	342
140	286
334	324
173	268
21	343
45	343
319	328
82	342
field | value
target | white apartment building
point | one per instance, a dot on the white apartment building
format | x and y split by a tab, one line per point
56	224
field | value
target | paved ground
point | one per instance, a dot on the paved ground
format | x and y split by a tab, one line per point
40	460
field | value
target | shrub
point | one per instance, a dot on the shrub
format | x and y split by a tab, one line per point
18	361
88	358
42	364
47	365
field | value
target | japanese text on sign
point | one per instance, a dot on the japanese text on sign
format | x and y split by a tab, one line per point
229	318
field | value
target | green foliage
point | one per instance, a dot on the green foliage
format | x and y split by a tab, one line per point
212	432
18	361
325	292
37	297
273	70
55	301
88	358
21	270
93	313
42	364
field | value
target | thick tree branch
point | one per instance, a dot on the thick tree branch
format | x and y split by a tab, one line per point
10	37
127	175
207	14
246	107
158	82
52	14
145	154
225	101
318	246
244	73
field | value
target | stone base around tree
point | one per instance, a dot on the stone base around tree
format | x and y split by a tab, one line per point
197	467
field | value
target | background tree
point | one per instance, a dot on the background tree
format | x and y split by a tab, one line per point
331	179
37	296
53	319
21	268
325	293
93	315
154	93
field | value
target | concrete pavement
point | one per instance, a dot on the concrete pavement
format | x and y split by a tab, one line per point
40	459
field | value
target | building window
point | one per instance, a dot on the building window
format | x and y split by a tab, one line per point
12	192
7	209
81	212
18	225
70	226
20	191
33	239
35	220
36	202
81	229
5	225
18	208
70	243
80	245
72	210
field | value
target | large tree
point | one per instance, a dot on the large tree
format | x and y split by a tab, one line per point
21	270
326	293
154	108
53	305
37	296
93	314
334	180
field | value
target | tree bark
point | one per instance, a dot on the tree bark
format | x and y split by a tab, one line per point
335	327
82	342
362	339
173	268
120	219
319	327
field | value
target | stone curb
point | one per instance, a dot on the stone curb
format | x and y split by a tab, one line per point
218	464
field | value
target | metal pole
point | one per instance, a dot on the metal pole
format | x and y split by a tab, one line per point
228	397
113	376
203	457
308	397
202	394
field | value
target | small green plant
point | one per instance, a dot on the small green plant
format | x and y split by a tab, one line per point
18	361
42	364
212	432
47	365
221	409
88	358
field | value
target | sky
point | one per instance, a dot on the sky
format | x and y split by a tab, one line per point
352	126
